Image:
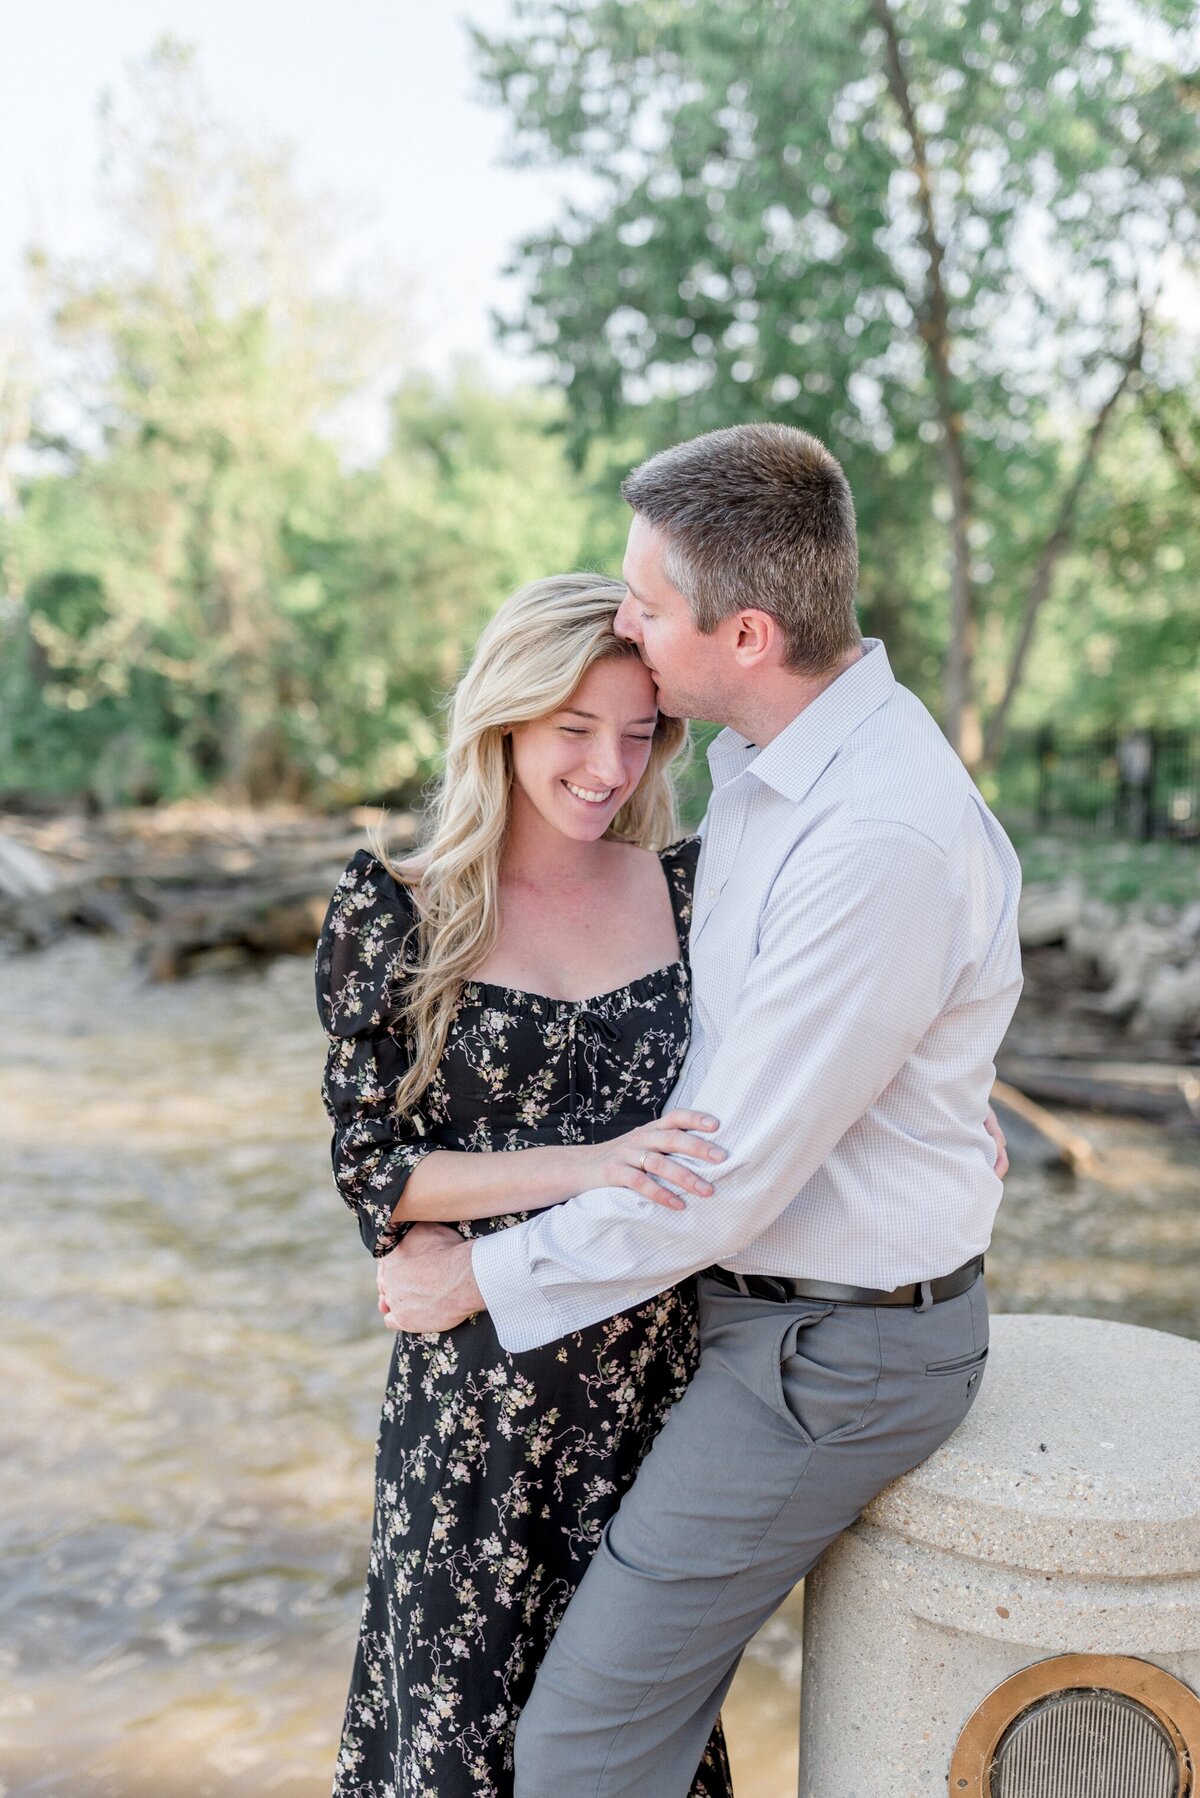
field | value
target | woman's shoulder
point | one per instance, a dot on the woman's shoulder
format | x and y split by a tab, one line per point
679	861
368	889
361	952
679	865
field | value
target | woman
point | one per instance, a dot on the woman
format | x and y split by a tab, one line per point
507	1013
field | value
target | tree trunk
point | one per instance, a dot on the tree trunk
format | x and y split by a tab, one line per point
1055	547
962	708
962	721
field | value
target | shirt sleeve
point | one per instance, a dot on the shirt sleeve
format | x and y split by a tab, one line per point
361	962
840	991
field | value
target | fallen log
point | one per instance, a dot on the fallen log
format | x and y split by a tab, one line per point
1158	1091
93	905
1064	1146
217	885
253	922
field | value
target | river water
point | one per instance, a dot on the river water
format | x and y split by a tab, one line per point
191	1366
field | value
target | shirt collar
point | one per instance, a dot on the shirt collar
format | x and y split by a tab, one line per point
794	759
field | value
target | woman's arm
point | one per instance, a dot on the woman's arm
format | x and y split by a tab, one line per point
385	1167
452	1186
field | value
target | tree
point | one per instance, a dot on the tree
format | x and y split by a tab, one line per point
202	592
1122	649
474	497
936	232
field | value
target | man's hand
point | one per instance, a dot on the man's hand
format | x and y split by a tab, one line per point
991	1124
425	1283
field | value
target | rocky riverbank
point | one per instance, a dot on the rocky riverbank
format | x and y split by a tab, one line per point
1110	1017
1104	973
192	887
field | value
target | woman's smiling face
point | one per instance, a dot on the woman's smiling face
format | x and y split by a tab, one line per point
577	767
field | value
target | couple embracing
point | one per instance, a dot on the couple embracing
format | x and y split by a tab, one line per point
676	1156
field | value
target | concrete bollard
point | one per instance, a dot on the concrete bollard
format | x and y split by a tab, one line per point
1061	1520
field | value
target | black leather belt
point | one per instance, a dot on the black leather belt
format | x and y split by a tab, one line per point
920	1296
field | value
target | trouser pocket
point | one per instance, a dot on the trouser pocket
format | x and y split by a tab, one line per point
827	1371
959	1364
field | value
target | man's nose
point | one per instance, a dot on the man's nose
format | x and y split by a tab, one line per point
625	624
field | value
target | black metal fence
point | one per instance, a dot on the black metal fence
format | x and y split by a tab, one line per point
1139	784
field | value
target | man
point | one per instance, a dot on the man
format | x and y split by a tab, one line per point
855	967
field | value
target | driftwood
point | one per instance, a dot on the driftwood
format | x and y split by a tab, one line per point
1144	1089
273	918
206	886
1053	1142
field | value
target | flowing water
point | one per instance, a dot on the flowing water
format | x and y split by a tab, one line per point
191	1364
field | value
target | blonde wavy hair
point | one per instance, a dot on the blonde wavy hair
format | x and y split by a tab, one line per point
527	663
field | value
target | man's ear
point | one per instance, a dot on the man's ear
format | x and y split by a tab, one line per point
759	638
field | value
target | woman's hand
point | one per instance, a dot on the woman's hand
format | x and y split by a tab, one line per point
640	1159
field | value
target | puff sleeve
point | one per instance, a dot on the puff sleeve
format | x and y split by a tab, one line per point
362	960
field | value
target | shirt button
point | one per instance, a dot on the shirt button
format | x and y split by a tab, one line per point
712	893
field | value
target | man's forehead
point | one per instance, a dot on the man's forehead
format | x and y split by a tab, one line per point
644	537
644	561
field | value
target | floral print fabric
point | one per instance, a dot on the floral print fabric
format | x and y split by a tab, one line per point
495	1474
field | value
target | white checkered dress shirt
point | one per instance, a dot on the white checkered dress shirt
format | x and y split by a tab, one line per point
855	962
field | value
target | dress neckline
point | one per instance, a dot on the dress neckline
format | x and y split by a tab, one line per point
501	994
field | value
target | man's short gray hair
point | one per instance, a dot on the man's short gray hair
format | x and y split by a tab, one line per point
758	517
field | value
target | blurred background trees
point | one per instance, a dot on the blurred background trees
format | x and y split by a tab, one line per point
202	589
945	235
952	237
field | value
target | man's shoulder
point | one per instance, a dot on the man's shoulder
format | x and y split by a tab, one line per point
899	772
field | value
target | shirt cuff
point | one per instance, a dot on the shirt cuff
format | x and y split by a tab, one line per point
521	1314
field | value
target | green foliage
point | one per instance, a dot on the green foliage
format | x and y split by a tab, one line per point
1117	873
202	592
279	625
1122	646
927	231
198	590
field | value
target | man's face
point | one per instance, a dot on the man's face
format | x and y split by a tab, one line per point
685	664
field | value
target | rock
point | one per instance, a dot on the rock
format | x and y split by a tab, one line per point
289	929
1134	952
1047	913
1189	922
1092	936
23	872
1171	1001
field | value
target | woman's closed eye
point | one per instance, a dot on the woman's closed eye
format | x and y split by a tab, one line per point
633	736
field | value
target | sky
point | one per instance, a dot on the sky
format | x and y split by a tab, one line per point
377	96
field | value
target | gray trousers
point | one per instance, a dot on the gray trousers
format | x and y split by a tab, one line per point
797	1416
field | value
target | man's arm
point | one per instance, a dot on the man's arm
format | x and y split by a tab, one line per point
859	948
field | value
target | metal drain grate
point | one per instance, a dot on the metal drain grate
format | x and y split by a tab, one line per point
1085	1744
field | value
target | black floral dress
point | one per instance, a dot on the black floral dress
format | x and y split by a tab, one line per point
495	1474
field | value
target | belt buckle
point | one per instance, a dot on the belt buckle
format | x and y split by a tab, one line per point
780	1290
